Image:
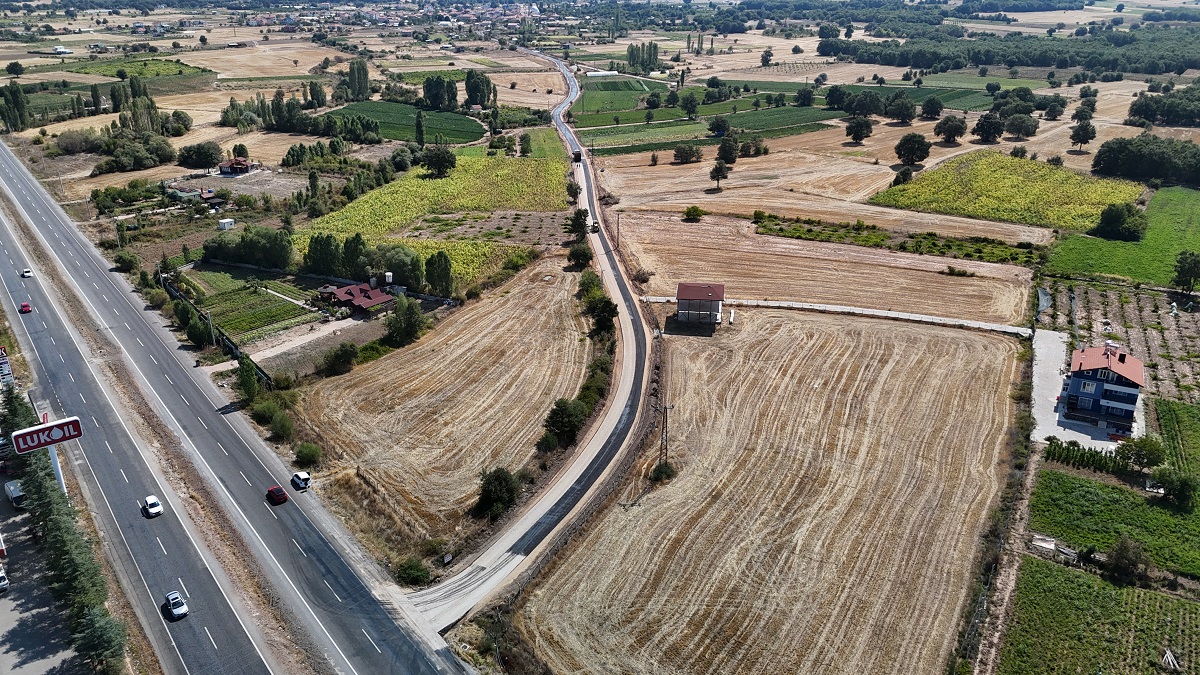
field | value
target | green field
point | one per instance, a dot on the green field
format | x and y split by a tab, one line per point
139	67
994	186
397	121
418	76
767	122
1174	225
954	99
1180	426
705	141
973	81
633	134
1085	512
602	94
545	143
247	314
1072	622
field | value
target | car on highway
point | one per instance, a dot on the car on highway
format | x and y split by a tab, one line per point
26	273
176	605
276	495
25	308
3	580
153	506
301	480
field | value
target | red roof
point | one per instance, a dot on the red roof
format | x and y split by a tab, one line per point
701	292
362	296
1113	359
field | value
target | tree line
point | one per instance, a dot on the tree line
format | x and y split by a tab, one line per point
286	114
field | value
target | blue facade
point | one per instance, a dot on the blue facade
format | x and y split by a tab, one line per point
1102	397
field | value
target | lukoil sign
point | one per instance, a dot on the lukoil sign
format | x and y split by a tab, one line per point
44	435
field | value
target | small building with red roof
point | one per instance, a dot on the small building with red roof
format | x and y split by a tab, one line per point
358	296
1104	386
699	302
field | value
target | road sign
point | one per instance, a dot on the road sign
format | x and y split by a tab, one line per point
45	435
6	375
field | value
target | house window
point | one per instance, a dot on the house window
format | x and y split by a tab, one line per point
1085	404
1088	388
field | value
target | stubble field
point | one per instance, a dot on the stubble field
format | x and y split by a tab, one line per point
824	518
407	436
754	267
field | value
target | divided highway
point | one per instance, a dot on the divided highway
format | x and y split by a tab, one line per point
449	601
319	590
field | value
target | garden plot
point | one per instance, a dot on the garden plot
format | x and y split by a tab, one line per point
407	436
760	267
824	518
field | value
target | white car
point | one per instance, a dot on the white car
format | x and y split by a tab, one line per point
3	580
153	506
176	605
26	273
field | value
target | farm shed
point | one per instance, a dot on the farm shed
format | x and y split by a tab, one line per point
699	303
1103	387
237	166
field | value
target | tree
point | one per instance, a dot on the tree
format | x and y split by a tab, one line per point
419	129
573	191
405	322
439	274
580	218
1187	271
203	39
580	254
864	104
1178	486
904	175
913	149
340	360
1143	452
1083	133
687	154
1128	563
498	490
859	128
204	155
727	151
719	171
718	126
988	127
15	69
121	74
689	104
649	116
1081	114
565	419
247	379
766	57
931	108
440	160
804	97
951	128
352	264
101	637
692	214
672	99
1053	112
1021	126
992	88
1121	222
902	109
239	150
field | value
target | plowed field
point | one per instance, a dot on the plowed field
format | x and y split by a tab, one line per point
406	436
825	514
755	267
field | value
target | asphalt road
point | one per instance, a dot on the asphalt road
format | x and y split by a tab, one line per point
449	601
318	588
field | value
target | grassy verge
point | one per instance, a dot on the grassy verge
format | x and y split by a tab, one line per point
1174	225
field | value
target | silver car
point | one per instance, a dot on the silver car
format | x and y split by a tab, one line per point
176	605
153	506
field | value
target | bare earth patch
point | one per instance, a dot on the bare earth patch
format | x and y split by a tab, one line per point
530	91
754	267
409	434
824	518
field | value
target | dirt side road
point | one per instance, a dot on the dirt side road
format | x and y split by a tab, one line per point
824	518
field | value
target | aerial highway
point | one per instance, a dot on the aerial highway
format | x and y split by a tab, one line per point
294	543
449	601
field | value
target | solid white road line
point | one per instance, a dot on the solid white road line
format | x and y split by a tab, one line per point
164	548
124	476
300	549
246	479
339	598
214	642
364	630
185	590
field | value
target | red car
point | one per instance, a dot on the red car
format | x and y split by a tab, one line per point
276	495
25	308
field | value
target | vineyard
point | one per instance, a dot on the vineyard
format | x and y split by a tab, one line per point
993	186
1085	512
1174	226
139	67
397	121
1066	621
1180	425
956	100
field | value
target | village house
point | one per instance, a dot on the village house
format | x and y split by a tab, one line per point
359	296
699	303
1103	388
237	166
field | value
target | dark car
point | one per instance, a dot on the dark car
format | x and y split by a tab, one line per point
276	494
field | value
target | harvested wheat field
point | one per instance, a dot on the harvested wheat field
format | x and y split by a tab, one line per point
272	58
824	518
760	267
531	89
795	180
408	435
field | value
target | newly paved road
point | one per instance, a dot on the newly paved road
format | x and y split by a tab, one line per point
318	588
450	600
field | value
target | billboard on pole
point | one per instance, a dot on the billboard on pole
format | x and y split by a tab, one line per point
45	435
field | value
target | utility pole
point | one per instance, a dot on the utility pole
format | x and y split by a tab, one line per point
618	231
662	446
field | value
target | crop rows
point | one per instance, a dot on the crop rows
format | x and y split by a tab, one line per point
245	310
994	186
1180	426
1066	621
1085	512
277	327
398	121
139	67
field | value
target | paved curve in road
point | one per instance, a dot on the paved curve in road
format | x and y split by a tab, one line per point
319	590
449	601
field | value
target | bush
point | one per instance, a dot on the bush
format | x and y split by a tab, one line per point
661	472
693	214
1121	222
281	426
307	454
156	297
340	360
412	571
498	490
547	443
580	254
127	261
565	420
903	176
